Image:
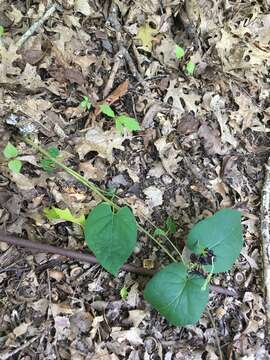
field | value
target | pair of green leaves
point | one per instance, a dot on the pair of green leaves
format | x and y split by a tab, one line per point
180	295
121	121
180	53
176	291
10	153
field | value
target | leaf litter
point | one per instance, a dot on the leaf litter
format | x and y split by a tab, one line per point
202	146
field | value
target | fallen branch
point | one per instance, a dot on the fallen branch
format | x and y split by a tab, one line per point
46	248
36	25
265	234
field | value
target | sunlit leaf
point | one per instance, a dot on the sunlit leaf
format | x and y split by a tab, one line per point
10	151
63	214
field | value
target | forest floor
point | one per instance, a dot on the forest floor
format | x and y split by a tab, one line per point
203	144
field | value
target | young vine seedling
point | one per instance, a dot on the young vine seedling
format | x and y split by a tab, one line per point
10	153
122	121
180	290
85	103
180	53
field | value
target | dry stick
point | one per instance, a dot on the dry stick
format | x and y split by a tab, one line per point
265	234
109	85
216	334
33	245
36	25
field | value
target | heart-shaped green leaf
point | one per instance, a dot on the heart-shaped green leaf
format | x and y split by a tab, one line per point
15	165
10	151
111	236
177	295
221	233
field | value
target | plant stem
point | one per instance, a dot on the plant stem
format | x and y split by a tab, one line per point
95	189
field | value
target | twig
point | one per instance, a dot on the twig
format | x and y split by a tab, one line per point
131	65
109	85
265	234
9	354
216	334
34	245
36	25
43	247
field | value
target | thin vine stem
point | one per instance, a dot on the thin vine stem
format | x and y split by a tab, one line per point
95	189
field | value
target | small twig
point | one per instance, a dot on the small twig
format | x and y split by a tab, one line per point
36	25
131	64
265	234
109	85
216	334
46	248
7	355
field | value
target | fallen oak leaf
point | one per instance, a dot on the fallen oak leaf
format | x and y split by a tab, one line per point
115	95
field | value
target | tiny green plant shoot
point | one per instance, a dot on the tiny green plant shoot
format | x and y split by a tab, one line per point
85	103
180	290
121	121
180	53
10	153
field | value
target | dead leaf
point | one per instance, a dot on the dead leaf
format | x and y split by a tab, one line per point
101	142
154	196
145	36
212	142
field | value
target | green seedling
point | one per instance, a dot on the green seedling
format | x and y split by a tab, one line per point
180	290
179	52
2	30
122	122
124	293
10	153
85	103
190	66
168	229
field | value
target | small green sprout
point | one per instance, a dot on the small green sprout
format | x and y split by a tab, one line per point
10	153
122	122
124	293
85	103
179	52
190	68
107	110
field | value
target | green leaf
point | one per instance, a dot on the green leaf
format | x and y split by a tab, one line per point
111	236
124	121
2	30
124	293
53	151
85	103
177	295
159	232
15	166
222	233
47	165
10	151
190	67
170	225
107	110
179	52
63	214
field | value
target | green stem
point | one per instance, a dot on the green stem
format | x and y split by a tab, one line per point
95	189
